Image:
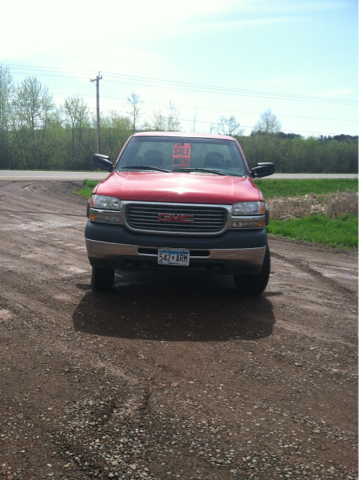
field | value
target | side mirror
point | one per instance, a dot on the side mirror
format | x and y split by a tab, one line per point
102	162
262	170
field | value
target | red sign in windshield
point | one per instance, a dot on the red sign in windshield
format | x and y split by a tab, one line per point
181	155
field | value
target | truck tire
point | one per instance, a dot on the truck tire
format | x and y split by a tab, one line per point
255	284
102	278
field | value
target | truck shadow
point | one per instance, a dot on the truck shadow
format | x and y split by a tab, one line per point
180	308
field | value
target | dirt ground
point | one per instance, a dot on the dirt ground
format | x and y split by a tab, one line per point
164	377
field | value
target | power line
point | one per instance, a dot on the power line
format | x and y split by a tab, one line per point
213	109
228	90
160	83
243	93
60	72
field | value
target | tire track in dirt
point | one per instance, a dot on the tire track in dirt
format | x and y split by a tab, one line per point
37	212
317	275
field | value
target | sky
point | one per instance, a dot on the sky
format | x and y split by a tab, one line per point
298	58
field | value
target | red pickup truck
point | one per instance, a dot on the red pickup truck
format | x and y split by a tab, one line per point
180	203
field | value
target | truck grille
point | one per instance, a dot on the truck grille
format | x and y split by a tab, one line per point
145	217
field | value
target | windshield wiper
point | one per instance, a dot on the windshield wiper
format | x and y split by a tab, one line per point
145	167
207	170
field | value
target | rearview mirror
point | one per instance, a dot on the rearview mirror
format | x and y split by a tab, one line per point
262	170
103	162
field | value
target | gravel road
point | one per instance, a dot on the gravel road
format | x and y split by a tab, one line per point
169	378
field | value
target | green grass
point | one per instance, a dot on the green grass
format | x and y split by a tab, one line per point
88	186
85	192
293	188
342	233
91	183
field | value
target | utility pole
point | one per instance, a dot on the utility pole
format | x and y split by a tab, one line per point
97	80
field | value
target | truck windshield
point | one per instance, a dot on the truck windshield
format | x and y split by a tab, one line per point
183	154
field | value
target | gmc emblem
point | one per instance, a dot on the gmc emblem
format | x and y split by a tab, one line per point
170	217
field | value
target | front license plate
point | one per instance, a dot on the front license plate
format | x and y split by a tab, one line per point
178	258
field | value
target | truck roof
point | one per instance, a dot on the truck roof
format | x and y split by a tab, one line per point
182	134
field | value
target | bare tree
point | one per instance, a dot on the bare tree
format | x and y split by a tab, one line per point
118	122
7	91
133	108
76	114
170	122
268	123
174	118
33	115
76	111
193	129
33	104
213	128
159	121
229	126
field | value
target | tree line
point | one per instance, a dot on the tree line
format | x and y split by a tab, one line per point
37	134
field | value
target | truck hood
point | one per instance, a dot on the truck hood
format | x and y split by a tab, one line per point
179	188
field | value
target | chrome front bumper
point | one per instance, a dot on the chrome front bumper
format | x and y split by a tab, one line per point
116	252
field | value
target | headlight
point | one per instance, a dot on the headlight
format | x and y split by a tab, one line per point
105	203
248	208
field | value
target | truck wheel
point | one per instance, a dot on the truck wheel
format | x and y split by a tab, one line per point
255	284
102	278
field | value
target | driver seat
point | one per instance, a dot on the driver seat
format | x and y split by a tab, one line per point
214	159
153	158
